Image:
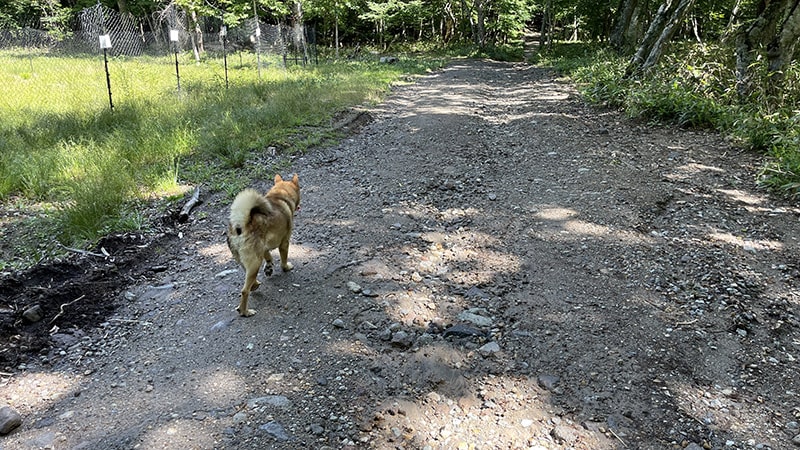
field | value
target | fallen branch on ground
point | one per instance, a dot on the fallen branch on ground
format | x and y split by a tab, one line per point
187	208
84	252
61	309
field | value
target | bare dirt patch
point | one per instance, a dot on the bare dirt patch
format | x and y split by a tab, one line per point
486	263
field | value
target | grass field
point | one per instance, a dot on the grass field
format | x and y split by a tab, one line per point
83	168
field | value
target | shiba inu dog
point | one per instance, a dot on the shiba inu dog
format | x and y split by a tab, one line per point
260	223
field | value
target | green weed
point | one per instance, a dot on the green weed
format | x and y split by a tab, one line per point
694	86
62	143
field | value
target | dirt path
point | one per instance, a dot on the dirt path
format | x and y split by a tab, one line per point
531	273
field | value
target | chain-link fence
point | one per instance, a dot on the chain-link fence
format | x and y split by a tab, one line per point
171	35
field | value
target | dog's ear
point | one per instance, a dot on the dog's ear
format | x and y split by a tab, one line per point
296	180
278	178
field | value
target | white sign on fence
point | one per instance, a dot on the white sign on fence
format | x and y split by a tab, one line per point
105	41
223	30
174	35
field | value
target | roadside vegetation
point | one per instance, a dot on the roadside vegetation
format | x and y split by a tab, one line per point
72	170
693	87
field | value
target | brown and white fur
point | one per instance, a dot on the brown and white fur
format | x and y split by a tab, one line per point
260	223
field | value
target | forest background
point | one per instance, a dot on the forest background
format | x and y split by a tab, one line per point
79	170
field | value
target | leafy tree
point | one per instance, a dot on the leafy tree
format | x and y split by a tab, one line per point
47	14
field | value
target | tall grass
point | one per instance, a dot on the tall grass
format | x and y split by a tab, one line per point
694	86
62	144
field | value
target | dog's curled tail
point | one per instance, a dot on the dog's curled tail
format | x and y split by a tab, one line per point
247	203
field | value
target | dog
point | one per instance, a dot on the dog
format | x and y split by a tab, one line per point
260	223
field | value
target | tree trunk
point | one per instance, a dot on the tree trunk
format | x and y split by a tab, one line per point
734	19
622	25
754	36
299	30
336	30
123	6
448	27
480	26
547	19
197	37
668	19
667	33
467	12
574	37
656	25
781	49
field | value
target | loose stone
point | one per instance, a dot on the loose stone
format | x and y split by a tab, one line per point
9	420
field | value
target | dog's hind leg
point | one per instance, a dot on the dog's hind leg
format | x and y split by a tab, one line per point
268	267
250	284
283	249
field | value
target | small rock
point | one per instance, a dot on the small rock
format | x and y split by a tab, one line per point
239	418
489	349
33	314
461	330
43	440
9	420
564	434
322	381
225	273
475	292
275	430
548	381
338	323
64	339
386	335
353	287
492	197
276	377
221	325
425	339
693	446
796	440
368	325
317	429
278	401
475	319
402	339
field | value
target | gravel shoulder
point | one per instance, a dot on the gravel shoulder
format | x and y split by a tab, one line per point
485	262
